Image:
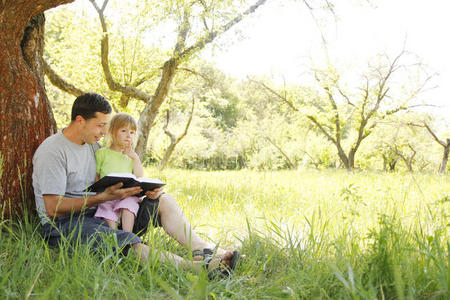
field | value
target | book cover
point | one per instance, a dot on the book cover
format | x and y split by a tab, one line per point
128	180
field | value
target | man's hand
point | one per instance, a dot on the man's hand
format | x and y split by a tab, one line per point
154	194
115	192
58	206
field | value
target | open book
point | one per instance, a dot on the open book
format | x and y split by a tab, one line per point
128	180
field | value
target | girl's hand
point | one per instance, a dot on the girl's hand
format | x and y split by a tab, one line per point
128	150
138	170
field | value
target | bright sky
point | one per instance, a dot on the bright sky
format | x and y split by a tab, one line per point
280	39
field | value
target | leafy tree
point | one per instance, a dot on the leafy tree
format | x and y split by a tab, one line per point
198	22
402	145
347	118
445	144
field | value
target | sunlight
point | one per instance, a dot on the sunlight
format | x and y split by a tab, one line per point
283	39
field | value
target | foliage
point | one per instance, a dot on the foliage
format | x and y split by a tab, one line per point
306	234
237	123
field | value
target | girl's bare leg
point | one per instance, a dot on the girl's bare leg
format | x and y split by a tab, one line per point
127	220
112	224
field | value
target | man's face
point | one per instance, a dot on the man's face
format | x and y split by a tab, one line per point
93	129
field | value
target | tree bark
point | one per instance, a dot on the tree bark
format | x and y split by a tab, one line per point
291	164
26	118
150	111
167	156
407	160
173	139
446	146
443	165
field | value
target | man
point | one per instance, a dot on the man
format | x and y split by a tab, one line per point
64	166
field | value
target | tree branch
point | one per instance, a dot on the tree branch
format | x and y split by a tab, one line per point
383	79
345	96
282	152
130	91
337	121
273	92
173	138
182	33
434	135
313	119
206	78
210	36
59	82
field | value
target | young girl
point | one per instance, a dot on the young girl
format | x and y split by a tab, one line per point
119	157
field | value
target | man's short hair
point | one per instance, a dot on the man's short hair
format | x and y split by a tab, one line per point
88	104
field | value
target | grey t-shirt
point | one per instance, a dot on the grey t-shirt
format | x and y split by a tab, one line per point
61	167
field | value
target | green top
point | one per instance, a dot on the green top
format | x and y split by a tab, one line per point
110	161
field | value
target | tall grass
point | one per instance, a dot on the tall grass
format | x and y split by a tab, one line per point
306	235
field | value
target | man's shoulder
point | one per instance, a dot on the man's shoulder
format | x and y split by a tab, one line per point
50	142
50	149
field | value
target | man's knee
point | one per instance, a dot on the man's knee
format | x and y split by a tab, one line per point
166	202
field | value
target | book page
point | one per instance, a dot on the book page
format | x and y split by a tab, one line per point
126	175
150	180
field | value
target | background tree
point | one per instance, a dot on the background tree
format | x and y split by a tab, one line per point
174	140
347	118
446	145
188	42
22	95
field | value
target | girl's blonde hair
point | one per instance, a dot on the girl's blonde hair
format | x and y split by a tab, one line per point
118	121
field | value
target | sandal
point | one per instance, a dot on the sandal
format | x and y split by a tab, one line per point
222	270
203	254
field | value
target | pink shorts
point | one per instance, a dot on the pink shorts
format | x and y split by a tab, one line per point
111	210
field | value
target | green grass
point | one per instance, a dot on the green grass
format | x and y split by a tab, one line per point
306	235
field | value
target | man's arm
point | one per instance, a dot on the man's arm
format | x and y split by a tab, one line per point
58	206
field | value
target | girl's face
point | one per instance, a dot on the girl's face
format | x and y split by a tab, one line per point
124	137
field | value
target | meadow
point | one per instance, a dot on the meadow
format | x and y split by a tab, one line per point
306	234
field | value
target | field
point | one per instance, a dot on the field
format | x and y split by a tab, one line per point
306	235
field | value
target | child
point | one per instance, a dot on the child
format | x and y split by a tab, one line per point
119	157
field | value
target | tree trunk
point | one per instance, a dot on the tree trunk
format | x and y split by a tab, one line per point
351	160
408	161
167	156
344	159
26	118
151	109
443	166
392	164
173	139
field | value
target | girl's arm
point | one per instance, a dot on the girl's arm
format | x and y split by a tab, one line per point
138	170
